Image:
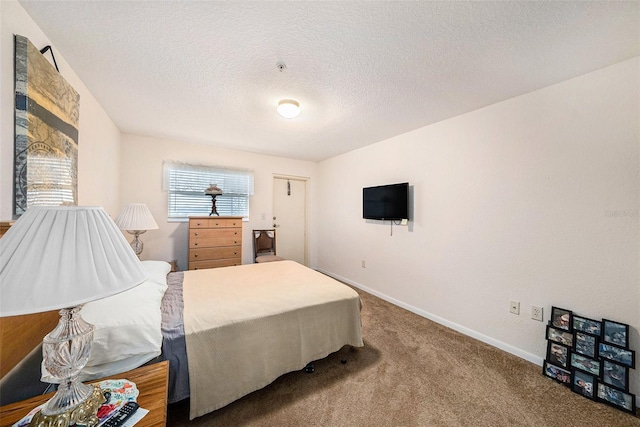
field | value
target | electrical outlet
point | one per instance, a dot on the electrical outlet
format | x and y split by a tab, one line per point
536	313
514	307
364	264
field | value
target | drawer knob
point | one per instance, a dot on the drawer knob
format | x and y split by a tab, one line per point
217	223
195	255
195	234
195	244
198	223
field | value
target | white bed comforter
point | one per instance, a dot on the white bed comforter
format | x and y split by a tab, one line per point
247	325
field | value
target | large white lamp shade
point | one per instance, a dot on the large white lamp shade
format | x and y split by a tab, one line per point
59	257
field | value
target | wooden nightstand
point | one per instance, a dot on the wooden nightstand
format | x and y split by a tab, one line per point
151	380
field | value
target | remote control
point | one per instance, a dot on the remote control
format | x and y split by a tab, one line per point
122	415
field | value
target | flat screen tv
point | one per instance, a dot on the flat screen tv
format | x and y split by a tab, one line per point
386	202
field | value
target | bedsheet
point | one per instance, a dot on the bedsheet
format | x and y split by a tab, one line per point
173	343
247	325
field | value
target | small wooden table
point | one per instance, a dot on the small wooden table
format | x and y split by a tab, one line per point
151	381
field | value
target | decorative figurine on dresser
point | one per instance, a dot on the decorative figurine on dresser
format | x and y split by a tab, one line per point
215	242
213	191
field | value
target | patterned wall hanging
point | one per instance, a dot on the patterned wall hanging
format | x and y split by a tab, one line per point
46	146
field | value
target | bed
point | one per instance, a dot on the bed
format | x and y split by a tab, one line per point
247	325
226	331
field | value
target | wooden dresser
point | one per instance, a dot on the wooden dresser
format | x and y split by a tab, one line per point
215	241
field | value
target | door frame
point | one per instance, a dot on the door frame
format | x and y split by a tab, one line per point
306	180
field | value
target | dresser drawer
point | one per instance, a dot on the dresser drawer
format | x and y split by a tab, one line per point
203	238
214	263
215	223
221	252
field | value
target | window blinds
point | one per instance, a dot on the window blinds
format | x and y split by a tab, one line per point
186	184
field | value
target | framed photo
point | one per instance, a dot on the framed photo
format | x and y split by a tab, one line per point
617	398
585	364
585	344
617	354
584	384
558	354
615	333
615	375
560	336
588	326
561	375
561	318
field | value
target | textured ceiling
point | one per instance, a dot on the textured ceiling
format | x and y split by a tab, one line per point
205	71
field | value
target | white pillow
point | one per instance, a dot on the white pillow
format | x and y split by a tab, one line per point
157	270
127	330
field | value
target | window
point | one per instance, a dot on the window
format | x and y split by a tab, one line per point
186	184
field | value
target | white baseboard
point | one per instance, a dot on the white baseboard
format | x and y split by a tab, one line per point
462	329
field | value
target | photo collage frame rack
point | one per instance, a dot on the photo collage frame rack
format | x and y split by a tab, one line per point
592	357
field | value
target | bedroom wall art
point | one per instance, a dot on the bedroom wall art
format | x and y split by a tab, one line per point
46	134
592	357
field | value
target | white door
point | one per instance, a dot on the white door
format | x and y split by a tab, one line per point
290	218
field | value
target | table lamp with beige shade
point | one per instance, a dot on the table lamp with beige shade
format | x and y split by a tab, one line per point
136	219
59	258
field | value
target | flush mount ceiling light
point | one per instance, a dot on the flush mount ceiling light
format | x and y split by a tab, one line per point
288	108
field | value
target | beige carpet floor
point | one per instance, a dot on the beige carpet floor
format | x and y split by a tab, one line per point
412	372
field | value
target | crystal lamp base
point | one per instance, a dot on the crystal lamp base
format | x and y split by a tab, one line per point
65	352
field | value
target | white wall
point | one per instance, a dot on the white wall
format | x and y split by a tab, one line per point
534	199
141	182
99	138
